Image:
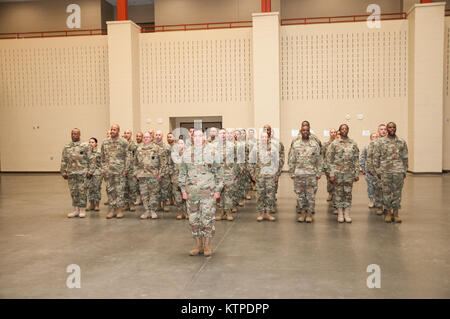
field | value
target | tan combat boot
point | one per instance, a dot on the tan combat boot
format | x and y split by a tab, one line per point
119	213
340	218
234	209
138	201
397	219
198	249
228	215
270	217
335	211
207	250
132	207
126	207
241	202
186	215
379	211
145	215
371	203
388	217
153	214
248	196
82	212
97	206
221	215
180	215
90	206
165	207
302	217
75	213
260	216
111	213
347	217
308	217
329	198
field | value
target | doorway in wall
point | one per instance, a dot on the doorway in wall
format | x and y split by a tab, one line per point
186	122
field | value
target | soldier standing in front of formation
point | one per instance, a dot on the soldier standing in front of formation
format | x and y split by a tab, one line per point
201	182
177	157
343	161
391	164
131	187
305	168
164	182
330	185
149	167
365	172
382	132
75	168
95	182
226	156
114	168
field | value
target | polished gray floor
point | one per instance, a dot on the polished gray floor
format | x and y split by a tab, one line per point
131	258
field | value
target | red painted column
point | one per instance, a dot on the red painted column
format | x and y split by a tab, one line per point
122	10
426	1
266	6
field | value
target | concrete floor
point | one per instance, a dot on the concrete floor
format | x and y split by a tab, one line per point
131	258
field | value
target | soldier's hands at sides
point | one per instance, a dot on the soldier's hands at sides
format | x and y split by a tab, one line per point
332	179
379	176
253	179
158	178
137	178
65	176
276	178
88	175
404	175
216	195
124	174
371	173
184	196
356	178
364	173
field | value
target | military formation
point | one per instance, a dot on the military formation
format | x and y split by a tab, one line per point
208	178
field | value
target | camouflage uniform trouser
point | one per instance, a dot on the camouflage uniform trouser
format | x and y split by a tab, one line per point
176	192
131	188
115	186
306	187
164	185
343	190
202	215
392	190
149	188
330	185
226	197
95	188
265	193
77	186
378	190
370	186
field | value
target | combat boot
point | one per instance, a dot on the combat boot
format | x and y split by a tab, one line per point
228	215
221	215
340	218
347	217
153	214
186	215
90	206
111	213
180	215
302	217
165	207
126	207
241	202
248	196
270	217
388	217
82	212
138	201
308	217
145	215
75	213
335	211
119	213
371	203
260	216
97	206
397	219
379	211
207	251
329	198
234	209
132	207
198	249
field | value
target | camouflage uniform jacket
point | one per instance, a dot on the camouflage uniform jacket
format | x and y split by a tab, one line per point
95	161
269	158
114	156
390	156
343	157
149	161
75	159
305	159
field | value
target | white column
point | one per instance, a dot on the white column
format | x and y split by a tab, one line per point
425	87
123	58
266	69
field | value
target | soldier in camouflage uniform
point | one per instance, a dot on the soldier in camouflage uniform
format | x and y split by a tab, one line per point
131	186
226	156
365	172
108	135
268	159
390	160
164	182
95	182
114	168
241	166
139	139
330	185
201	182
75	168
176	158
382	132
250	166
149	166
305	168
343	161
170	144
212	135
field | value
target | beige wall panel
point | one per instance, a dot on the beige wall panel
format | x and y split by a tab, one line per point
196	73
446	137
54	84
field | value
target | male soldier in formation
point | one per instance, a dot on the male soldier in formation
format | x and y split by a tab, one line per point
75	169
164	182
269	159
131	187
250	166
212	135
247	177
343	161
169	146
201	182
139	139
226	156
369	177
305	168
382	132
330	185
241	163
177	157
390	161
149	166
108	135
114	167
